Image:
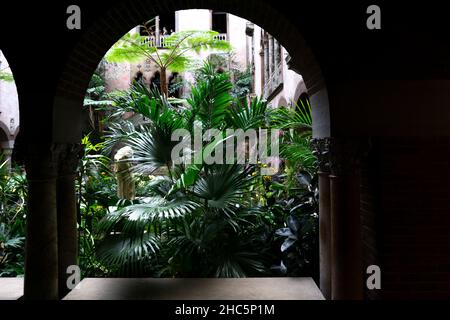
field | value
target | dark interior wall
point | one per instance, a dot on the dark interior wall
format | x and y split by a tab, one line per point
369	211
390	107
405	219
414	232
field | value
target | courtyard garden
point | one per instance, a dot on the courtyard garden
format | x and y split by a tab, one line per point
144	213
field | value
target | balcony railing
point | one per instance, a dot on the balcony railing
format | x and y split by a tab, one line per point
159	42
274	82
221	36
152	41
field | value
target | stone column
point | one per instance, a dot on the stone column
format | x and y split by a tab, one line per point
41	249
346	255
7	153
266	61
67	214
271	56
321	150
6	148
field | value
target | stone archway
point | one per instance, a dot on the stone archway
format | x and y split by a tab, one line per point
106	30
58	169
9	110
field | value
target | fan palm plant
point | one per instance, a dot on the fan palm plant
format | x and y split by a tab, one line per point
195	206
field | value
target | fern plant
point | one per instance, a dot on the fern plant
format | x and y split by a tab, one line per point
175	56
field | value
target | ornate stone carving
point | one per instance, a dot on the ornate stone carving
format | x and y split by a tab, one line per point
45	161
339	156
321	149
346	155
41	160
69	158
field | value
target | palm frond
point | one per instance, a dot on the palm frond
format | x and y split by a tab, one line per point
125	255
224	186
296	149
210	100
130	48
134	220
118	133
152	145
251	116
298	119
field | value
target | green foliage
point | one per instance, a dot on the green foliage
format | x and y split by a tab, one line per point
210	99
253	116
6	76
201	220
175	56
13	192
96	102
96	193
242	83
297	130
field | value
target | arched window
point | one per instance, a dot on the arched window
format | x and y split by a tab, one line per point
139	77
155	82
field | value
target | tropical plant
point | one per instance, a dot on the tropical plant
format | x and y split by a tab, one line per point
299	238
242	83
96	193
203	219
297	127
5	73
13	193
176	56
97	103
11	252
192	203
6	76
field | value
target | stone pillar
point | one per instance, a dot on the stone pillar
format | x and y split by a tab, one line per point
41	249
271	56
7	153
67	214
346	254
263	66
266	61
321	150
6	148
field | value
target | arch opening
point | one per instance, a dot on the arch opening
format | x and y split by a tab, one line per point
9	109
72	85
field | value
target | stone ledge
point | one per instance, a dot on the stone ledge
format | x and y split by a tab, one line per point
196	289
11	288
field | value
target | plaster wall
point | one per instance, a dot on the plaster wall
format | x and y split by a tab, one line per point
9	103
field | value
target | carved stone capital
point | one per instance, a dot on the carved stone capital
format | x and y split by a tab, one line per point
346	155
69	159
321	149
45	161
41	160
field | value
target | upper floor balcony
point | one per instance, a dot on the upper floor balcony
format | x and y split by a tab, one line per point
273	82
162	42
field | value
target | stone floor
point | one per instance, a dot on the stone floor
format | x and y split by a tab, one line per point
196	289
180	289
11	288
